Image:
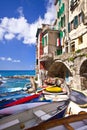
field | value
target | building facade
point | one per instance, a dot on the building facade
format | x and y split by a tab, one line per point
61	48
46	49
77	26
61	24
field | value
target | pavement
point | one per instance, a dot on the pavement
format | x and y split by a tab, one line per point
73	108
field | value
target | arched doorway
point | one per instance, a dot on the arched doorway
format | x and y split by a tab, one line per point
59	69
83	75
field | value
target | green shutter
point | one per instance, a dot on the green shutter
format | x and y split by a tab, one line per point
59	25
62	22
61	34
61	10
43	41
63	7
69	27
59	2
58	15
59	52
76	22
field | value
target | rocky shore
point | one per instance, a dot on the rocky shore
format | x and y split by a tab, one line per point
19	76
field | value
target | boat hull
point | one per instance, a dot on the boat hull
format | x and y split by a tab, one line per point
52	110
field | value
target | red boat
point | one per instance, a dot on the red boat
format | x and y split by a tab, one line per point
23	100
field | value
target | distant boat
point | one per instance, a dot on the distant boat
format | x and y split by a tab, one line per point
26	86
33	115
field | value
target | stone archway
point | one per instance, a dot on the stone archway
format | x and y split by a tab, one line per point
59	69
83	74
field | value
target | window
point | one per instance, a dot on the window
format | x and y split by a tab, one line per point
58	15
59	25
63	7
59	2
72	48
63	21
61	10
80	40
69	27
64	32
81	17
66	47
76	22
61	34
59	50
72	25
45	40
36	61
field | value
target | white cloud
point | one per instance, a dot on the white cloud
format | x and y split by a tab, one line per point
2	58
20	11
2	31
9	59
20	29
9	36
17	61
50	14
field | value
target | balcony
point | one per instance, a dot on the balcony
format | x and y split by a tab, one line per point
46	57
71	56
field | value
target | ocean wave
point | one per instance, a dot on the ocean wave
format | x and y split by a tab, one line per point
14	89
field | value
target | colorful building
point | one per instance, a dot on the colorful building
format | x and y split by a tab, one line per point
77	26
61	24
61	48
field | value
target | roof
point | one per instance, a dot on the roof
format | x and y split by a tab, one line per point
38	31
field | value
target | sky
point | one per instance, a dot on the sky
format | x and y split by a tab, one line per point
19	21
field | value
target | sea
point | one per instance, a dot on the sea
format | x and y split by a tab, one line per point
13	88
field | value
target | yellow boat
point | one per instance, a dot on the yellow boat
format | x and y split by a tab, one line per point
54	89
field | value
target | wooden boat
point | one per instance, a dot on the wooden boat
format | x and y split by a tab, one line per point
62	94
23	100
74	108
5	102
33	97
73	122
55	97
34	116
78	97
53	89
19	108
78	102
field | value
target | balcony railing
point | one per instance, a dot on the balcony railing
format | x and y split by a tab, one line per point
71	55
46	57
